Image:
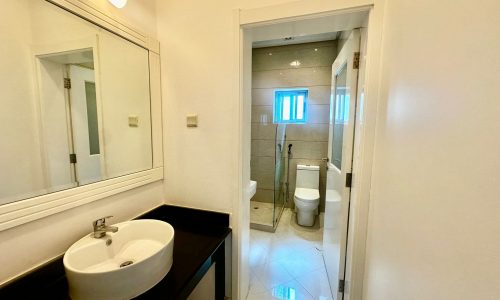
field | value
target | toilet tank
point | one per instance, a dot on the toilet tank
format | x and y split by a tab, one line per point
307	177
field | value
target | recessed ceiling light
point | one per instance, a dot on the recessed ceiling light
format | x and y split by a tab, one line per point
118	3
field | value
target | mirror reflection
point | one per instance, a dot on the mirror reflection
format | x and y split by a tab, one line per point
341	115
75	102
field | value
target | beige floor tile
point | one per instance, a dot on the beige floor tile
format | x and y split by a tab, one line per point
316	283
288	264
272	274
291	290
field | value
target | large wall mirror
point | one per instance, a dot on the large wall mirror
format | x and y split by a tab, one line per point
75	102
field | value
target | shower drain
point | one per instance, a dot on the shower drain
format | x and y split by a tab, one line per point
126	263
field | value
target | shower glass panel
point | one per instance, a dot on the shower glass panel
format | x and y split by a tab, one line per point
267	208
279	173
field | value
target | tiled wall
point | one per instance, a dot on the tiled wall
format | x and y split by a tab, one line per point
272	70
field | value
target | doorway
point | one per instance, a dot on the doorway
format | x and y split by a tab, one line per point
345	268
70	117
83	118
340	157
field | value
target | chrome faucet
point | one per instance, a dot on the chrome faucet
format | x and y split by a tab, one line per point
100	227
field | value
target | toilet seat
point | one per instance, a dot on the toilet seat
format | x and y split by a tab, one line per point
306	195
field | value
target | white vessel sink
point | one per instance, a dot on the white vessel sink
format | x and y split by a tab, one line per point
138	257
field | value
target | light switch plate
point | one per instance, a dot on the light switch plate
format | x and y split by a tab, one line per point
133	121
192	120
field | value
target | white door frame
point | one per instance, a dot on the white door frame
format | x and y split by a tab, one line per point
49	50
80	136
364	126
343	61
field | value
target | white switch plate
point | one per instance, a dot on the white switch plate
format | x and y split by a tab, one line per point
192	120
133	121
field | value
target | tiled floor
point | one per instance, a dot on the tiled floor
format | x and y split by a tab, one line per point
288	264
261	213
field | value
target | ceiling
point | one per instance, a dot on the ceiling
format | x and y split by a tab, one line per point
327	36
306	30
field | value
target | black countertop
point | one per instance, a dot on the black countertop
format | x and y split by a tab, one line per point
198	236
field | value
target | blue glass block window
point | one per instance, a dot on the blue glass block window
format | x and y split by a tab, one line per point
290	106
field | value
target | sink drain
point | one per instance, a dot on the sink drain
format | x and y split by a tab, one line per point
126	263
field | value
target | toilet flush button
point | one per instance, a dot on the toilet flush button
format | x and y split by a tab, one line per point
192	120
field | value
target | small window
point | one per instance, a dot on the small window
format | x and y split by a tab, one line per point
290	106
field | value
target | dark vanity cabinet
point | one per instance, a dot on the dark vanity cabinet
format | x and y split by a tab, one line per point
200	242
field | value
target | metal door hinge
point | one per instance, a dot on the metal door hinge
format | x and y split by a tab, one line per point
67	83
348	180
355	64
341	285
72	158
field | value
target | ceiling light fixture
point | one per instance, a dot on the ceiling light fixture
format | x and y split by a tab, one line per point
118	3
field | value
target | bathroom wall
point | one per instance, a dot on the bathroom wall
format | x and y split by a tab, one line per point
19	128
27	246
119	103
198	77
434	222
272	70
140	14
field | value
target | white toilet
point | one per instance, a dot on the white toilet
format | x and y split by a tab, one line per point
306	196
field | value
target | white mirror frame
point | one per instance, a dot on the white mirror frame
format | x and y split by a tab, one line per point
24	211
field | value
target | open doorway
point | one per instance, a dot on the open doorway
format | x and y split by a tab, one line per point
285	110
70	116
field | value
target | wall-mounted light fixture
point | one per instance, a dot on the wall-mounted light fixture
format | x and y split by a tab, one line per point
118	3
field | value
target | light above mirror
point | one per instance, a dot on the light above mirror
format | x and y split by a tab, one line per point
118	3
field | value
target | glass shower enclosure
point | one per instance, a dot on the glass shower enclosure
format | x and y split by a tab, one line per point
265	214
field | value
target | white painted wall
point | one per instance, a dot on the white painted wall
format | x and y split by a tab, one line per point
434	215
29	245
15	34
141	14
197	48
124	92
199	75
53	116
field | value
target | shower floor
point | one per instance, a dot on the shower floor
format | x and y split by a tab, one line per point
261	213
